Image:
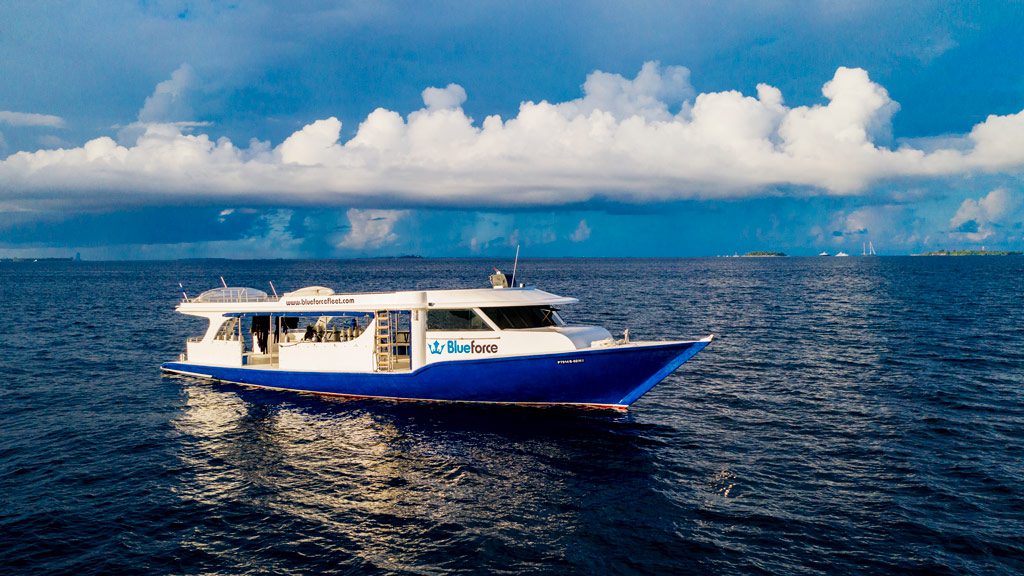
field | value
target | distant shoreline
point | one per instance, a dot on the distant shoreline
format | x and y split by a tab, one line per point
970	253
501	258
48	259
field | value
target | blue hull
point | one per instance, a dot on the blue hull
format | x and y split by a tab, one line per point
609	377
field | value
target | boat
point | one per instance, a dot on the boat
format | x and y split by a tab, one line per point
867	249
823	254
842	254
506	344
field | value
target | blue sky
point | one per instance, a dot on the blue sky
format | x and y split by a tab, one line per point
166	129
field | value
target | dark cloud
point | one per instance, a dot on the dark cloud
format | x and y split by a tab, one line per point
157	225
968	227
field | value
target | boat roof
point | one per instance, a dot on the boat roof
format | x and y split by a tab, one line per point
236	299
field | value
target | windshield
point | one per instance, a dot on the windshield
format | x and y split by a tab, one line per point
512	317
441	319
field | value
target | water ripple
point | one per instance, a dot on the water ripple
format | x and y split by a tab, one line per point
854	415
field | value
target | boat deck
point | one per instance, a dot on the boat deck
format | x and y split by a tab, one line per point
398	363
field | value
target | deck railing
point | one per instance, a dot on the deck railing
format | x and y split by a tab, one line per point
232	295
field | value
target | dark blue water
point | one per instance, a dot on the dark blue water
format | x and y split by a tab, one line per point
860	415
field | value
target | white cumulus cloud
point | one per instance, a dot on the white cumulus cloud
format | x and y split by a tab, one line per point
650	95
581	233
647	138
974	219
168	104
371	228
451	96
169	100
315	144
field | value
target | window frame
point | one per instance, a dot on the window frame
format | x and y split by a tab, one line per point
488	325
556	319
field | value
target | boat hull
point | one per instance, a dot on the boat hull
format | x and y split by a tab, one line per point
606	378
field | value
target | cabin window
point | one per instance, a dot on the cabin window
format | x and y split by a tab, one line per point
323	328
455	320
513	317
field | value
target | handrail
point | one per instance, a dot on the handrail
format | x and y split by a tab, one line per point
230	295
196	300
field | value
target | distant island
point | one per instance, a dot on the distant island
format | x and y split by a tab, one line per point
49	259
763	254
970	253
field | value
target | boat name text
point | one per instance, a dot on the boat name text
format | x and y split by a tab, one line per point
319	301
454	347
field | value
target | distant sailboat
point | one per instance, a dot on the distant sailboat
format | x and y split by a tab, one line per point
867	249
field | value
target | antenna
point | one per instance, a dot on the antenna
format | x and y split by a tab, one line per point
515	264
223	282
272	289
180	285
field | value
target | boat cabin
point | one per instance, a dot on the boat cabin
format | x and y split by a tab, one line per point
316	329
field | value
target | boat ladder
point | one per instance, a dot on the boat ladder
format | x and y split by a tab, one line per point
384	341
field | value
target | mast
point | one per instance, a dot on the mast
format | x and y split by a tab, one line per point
514	265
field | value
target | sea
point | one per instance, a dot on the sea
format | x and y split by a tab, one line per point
859	415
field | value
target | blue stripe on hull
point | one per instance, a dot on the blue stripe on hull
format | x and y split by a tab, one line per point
612	377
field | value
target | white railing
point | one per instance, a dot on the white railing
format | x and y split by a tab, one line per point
231	294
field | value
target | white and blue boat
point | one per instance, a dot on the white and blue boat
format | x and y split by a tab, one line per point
505	345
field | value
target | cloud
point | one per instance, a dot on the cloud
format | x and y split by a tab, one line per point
269	237
487	229
886	226
975	219
167	105
371	228
649	138
29	119
277	233
316	144
649	96
581	233
169	100
441	98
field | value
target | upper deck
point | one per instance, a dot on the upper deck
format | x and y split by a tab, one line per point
318	299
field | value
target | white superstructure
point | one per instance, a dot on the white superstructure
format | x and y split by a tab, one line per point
316	329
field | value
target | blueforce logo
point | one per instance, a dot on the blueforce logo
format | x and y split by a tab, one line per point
453	347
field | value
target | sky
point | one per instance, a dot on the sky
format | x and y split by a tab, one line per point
188	129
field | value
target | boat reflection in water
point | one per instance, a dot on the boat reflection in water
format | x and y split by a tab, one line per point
361	484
